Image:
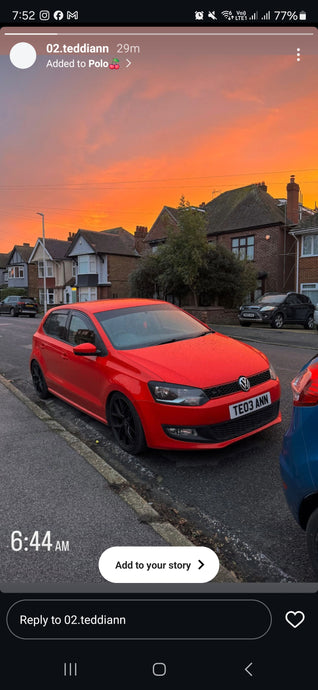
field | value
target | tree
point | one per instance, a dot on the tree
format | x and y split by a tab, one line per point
144	281
184	255
226	280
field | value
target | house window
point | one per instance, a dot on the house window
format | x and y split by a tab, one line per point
243	247
49	296
309	245
74	269
87	294
48	267
16	272
87	264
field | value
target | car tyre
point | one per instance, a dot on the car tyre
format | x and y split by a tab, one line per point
310	324
13	312
126	425
39	381
312	540
277	321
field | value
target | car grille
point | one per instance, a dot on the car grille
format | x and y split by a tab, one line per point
234	387
216	433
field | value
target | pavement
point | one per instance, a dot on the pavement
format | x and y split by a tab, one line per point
53	481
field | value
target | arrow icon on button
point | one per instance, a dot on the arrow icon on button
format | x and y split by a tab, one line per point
247	667
200	566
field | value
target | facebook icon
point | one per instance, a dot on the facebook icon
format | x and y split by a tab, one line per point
58	15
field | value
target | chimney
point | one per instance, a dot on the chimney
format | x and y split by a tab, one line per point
292	210
26	244
262	186
140	234
71	236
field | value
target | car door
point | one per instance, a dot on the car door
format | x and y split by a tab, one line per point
291	305
84	375
306	308
52	347
6	305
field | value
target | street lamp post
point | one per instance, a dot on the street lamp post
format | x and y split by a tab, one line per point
44	262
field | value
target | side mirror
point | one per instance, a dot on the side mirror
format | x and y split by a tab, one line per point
85	349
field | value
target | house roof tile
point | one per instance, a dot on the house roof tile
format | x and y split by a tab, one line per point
105	242
242	208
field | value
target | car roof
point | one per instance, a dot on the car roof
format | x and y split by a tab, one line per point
107	304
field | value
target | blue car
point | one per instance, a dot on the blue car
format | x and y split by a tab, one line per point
299	456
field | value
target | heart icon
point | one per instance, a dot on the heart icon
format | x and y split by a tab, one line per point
295	618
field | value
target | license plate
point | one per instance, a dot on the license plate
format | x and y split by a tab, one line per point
250	405
248	314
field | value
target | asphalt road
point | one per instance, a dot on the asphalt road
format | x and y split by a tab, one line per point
232	499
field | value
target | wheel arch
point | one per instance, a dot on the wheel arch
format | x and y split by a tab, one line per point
307	507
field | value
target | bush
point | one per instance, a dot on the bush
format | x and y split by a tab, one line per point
5	292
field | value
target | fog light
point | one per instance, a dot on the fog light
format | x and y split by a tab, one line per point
186	433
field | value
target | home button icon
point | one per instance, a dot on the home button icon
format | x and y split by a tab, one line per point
159	669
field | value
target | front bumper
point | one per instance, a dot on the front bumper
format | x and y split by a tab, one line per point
257	317
211	422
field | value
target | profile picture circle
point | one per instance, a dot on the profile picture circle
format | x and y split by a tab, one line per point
23	55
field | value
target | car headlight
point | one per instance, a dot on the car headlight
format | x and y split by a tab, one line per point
173	394
267	308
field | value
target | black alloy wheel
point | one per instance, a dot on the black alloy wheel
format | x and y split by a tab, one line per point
310	324
12	311
126	425
277	321
39	380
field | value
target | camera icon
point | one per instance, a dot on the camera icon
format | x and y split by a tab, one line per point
44	15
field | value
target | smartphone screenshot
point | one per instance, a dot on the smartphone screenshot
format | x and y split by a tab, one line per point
159	345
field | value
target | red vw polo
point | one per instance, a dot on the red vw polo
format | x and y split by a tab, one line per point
158	376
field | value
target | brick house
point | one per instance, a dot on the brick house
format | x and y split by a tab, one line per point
306	272
21	273
59	271
253	225
104	260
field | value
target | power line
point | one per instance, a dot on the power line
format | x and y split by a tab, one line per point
100	185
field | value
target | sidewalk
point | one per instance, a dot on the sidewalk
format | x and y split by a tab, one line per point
52	481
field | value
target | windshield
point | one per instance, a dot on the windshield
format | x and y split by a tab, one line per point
144	326
270	299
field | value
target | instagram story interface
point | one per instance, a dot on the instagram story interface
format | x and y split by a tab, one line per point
158	194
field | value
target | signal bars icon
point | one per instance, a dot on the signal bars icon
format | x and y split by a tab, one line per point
254	16
266	16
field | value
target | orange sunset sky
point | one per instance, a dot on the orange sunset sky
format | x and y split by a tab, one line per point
194	116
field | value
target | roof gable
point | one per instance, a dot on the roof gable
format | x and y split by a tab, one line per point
56	250
103	242
168	218
20	254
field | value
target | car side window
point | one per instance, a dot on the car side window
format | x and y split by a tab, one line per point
292	299
55	325
80	330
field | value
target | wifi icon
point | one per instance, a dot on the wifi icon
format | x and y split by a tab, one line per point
227	14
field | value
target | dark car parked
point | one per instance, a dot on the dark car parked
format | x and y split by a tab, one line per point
16	305
278	309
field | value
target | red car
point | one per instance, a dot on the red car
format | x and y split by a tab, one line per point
158	376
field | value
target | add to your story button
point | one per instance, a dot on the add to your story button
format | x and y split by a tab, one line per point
159	564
